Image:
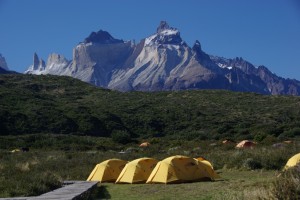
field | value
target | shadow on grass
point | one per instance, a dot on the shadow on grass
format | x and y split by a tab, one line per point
100	193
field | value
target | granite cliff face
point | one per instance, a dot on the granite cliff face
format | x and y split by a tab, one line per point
162	61
3	63
3	66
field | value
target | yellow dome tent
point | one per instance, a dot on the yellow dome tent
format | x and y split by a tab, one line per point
107	171
137	171
293	161
201	159
208	167
180	169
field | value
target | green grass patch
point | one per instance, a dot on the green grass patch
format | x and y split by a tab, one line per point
233	185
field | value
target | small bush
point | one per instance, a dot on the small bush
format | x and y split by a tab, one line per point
122	137
260	137
252	164
286	186
46	182
292	133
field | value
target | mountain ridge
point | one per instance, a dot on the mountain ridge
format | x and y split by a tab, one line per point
162	61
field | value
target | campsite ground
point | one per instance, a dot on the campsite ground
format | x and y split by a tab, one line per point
246	174
235	184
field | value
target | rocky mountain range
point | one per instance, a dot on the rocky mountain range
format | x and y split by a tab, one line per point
162	61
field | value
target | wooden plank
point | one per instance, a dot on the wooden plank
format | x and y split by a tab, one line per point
72	190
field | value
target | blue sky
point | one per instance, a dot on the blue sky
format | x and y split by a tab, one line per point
264	32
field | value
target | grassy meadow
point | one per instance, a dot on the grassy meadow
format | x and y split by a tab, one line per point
235	184
246	174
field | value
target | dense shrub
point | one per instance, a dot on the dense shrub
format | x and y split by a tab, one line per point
252	164
265	157
121	136
63	105
291	133
44	182
286	186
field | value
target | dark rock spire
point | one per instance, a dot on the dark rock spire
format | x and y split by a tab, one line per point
162	26
101	37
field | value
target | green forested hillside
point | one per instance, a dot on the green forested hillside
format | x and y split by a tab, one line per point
62	105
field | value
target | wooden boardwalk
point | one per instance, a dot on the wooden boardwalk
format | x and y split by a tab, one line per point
72	190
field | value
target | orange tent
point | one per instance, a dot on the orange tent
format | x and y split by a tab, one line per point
145	144
245	144
228	142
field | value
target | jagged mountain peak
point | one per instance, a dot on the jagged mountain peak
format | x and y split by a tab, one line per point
101	37
165	29
56	58
197	43
197	46
165	35
35	59
162	26
3	63
38	66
